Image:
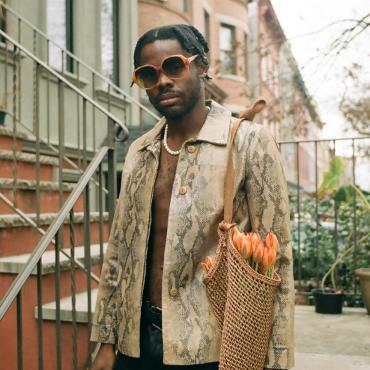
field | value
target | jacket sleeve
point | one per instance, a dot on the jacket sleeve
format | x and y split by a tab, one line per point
266	190
105	321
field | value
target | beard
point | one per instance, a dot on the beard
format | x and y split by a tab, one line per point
188	102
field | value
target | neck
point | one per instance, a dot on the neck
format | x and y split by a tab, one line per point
188	125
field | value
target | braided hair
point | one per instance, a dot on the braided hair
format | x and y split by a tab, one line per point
188	36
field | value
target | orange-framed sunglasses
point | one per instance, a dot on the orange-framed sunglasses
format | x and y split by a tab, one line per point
174	67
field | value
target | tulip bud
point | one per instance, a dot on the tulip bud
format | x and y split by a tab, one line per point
265	259
248	246
272	241
207	264
238	239
254	242
258	255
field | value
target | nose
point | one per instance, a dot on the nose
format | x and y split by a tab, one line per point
164	80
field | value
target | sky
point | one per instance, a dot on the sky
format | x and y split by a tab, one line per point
306	26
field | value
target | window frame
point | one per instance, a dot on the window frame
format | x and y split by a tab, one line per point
232	50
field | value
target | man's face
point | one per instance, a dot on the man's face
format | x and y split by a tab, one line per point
172	98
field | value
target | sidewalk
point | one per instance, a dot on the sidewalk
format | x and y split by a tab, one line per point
326	342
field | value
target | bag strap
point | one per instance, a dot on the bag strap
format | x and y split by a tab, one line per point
229	179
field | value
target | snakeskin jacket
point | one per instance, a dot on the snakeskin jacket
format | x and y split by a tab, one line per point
190	331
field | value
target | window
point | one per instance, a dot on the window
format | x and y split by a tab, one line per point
246	56
207	31
60	31
263	67
2	23
184	6
110	39
227	50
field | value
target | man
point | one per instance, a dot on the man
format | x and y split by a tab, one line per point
152	304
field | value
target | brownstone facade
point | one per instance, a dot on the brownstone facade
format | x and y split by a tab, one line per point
224	23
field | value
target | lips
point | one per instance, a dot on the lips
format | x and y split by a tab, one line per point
167	99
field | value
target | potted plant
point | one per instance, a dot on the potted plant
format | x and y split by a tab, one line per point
364	276
3	110
330	300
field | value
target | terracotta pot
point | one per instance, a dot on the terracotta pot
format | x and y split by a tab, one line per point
364	276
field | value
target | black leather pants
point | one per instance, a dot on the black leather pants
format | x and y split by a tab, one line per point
151	346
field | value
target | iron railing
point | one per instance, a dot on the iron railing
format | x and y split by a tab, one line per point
326	222
97	85
61	125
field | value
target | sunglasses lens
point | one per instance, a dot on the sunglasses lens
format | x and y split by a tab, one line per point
147	77
173	67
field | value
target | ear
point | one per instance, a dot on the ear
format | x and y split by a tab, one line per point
202	68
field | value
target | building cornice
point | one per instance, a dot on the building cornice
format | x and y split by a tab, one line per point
158	4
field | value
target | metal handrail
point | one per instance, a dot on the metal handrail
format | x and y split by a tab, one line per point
33	224
322	140
35	256
78	60
67	83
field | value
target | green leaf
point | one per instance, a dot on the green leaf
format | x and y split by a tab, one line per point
330	182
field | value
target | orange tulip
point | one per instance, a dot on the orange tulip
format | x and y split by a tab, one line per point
272	241
265	259
258	253
207	264
238	239
247	246
255	239
271	257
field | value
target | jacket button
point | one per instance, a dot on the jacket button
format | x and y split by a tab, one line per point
173	292
183	190
191	149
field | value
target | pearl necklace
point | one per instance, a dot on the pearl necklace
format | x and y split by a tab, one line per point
168	150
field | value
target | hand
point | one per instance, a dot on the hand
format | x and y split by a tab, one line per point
105	358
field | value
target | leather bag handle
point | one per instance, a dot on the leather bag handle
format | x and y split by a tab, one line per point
229	179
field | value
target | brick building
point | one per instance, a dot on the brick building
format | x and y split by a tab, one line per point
274	74
224	24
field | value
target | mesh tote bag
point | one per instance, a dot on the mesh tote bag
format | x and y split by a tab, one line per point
242	299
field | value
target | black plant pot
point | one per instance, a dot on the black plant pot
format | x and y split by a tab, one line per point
2	117
328	302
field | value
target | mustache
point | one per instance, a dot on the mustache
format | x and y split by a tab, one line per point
165	93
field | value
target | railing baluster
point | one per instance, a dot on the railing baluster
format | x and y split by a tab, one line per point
36	125
87	221
58	329
73	289
101	221
40	356
317	262
355	263
19	332
48	94
112	172
59	242
299	217
19	74
14	141
336	251
93	112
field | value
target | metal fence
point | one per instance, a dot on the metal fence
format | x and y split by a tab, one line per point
328	189
324	223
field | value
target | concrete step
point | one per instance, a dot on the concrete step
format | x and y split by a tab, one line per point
6	139
25	165
18	237
25	195
15	264
49	309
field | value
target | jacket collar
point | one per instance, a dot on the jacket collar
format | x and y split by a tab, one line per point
215	129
